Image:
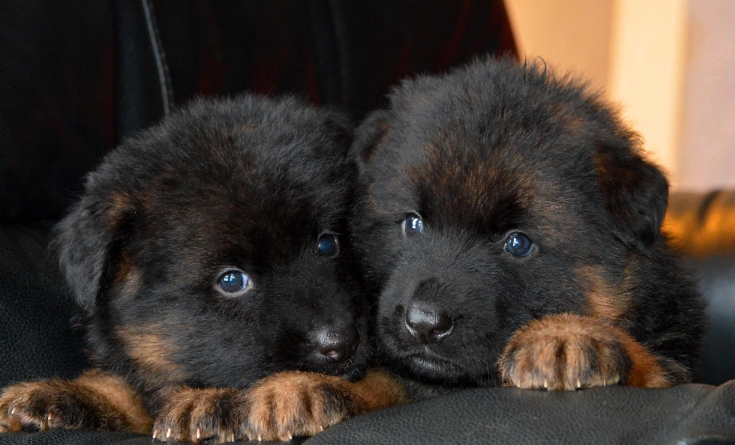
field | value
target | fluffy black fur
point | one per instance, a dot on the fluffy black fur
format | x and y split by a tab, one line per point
250	184
495	149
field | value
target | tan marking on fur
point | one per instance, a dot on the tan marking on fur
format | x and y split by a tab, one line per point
379	390
120	204
103	401
604	299
124	267
120	394
531	359
573	122
151	352
128	289
14	401
475	186
128	279
298	403
645	370
192	415
554	353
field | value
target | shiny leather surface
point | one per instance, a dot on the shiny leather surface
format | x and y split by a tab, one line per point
685	414
35	310
702	225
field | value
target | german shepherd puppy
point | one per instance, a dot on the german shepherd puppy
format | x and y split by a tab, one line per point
205	255
508	223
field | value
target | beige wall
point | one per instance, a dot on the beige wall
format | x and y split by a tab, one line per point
670	64
581	46
646	76
708	132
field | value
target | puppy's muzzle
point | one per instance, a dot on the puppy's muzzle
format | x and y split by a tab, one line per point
426	324
337	345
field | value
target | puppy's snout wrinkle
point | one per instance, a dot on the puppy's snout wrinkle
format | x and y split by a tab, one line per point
338	345
426	324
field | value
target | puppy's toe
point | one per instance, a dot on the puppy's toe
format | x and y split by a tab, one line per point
23	408
565	352
196	415
216	417
42	405
291	404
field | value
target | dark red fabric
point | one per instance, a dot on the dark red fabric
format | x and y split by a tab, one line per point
56	101
78	77
343	53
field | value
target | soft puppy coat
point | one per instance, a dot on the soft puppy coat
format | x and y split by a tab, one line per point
205	255
508	223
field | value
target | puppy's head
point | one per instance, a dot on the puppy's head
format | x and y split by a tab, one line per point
208	249
489	197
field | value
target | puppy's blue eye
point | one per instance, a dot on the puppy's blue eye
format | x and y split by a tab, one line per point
328	245
413	225
518	245
234	281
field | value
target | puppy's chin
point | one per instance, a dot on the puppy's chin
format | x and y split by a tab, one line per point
354	374
350	370
424	363
434	368
446	372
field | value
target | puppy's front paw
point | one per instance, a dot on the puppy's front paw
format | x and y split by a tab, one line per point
42	405
194	415
295	403
566	352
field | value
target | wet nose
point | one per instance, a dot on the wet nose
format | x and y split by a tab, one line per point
338	345
426	324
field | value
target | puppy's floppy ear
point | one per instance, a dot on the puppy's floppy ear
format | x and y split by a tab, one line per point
367	137
87	243
636	193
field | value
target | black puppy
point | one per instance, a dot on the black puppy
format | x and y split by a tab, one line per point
509	225
205	255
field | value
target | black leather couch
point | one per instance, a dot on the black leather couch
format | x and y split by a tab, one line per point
78	77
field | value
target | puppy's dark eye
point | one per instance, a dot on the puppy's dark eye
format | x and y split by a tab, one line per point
412	225
328	245
518	245
234	282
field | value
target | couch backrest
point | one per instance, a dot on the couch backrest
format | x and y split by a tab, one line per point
78	77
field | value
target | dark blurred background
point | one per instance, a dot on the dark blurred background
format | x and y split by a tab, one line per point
78	77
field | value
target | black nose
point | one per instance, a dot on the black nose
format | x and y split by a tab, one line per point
426	324
337	345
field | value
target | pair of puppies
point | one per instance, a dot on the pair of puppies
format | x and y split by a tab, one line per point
503	218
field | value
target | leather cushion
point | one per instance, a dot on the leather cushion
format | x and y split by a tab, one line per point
716	280
35	309
702	225
687	414
612	415
78	437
